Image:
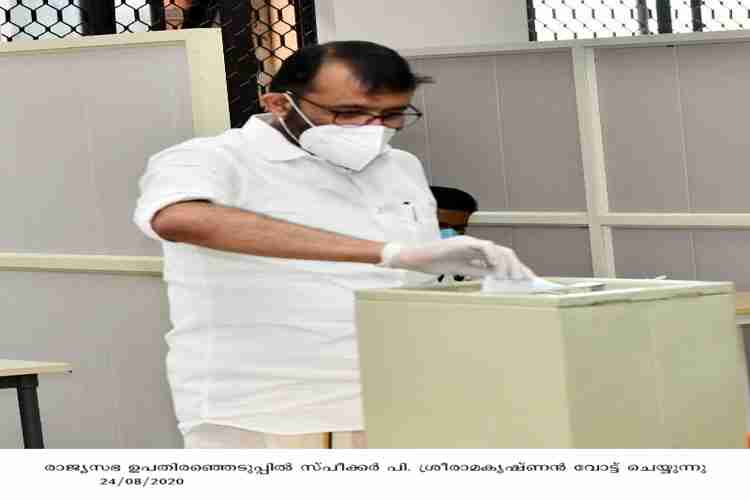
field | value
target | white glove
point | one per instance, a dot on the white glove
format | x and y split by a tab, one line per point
462	255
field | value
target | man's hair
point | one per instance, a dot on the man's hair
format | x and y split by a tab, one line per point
450	198
377	68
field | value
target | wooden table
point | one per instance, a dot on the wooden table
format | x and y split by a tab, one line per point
23	376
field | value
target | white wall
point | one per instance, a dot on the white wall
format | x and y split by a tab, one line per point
415	24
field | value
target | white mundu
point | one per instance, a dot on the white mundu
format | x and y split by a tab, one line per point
268	344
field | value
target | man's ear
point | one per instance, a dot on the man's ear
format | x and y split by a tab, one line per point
276	103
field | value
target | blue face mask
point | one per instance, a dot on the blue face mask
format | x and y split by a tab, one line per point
448	232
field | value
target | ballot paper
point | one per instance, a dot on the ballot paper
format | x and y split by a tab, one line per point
536	285
491	284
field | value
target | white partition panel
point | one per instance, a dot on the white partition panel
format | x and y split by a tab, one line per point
78	282
658	130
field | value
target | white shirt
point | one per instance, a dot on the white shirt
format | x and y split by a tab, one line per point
269	344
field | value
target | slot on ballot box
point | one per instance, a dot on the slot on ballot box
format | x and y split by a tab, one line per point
618	364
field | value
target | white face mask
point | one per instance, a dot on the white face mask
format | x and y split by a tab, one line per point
349	147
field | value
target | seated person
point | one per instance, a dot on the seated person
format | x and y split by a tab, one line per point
454	207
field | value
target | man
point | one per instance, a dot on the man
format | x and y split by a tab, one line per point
454	208
183	14
268	230
175	13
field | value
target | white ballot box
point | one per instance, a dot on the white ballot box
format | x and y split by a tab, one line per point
639	364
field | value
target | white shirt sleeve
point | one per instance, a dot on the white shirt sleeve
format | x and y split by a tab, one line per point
181	173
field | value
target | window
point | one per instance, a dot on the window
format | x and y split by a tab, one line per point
571	19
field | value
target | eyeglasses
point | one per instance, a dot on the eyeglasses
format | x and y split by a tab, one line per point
398	119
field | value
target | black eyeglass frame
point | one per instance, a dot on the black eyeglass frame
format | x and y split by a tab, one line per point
414	111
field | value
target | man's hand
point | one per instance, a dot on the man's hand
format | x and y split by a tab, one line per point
462	255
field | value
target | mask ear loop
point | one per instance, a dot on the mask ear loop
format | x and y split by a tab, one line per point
296	108
299	112
283	124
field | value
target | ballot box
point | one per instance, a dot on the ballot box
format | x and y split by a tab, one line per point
634	364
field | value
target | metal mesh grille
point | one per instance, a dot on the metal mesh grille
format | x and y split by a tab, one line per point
570	19
274	37
566	19
725	15
682	17
257	34
38	19
132	16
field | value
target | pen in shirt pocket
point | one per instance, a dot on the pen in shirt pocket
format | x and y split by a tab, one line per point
410	206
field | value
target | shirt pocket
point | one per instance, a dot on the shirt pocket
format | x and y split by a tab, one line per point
409	222
428	228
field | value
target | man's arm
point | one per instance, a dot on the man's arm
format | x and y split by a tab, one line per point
234	230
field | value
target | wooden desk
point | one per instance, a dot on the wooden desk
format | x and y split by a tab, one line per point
23	376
